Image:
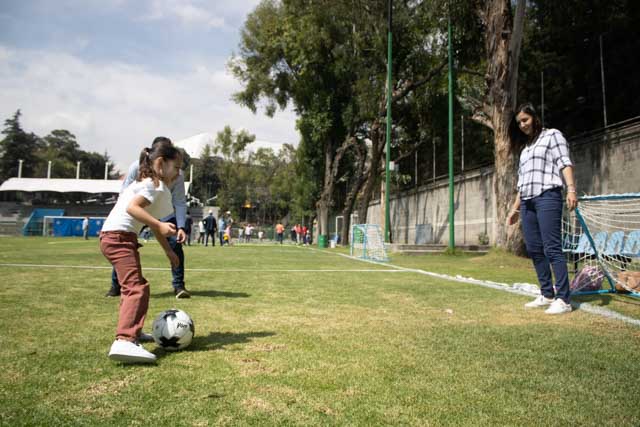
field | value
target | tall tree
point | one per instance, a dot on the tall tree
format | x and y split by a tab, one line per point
293	51
503	32
17	145
234	169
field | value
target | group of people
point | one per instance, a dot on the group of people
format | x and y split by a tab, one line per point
301	235
153	196
209	227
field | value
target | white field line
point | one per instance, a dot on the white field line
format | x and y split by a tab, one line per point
212	270
517	288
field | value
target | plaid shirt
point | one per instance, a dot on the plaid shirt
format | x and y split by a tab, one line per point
541	164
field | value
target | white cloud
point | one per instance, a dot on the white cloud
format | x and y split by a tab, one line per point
120	108
186	12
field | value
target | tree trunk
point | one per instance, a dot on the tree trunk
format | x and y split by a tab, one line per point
331	168
354	188
502	43
377	148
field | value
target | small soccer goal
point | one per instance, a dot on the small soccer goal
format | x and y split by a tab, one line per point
367	242
602	240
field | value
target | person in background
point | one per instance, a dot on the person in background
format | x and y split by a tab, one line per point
544	165
221	226
248	230
279	233
201	231
85	228
227	233
188	225
142	202
299	234
177	217
210	226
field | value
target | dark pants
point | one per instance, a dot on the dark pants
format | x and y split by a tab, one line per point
177	273
542	226
211	234
221	235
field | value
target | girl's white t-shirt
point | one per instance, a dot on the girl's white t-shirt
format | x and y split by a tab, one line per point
160	205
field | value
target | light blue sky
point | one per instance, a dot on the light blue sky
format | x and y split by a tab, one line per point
117	73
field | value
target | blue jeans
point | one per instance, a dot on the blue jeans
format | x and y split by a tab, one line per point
542	226
177	273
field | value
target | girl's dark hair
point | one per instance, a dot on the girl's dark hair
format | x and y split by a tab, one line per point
161	147
518	138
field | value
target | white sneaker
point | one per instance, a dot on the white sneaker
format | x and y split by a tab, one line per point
558	307
540	301
129	352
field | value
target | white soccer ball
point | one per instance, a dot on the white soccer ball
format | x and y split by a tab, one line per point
173	330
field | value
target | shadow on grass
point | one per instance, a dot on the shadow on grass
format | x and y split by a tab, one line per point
211	294
599	299
215	341
606	299
218	340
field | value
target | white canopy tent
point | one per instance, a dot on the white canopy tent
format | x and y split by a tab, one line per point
67	185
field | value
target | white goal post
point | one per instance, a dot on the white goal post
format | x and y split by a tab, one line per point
367	242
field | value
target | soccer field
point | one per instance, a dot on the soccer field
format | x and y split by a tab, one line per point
290	335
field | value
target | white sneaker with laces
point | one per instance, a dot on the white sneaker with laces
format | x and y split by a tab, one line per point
540	301
129	352
558	307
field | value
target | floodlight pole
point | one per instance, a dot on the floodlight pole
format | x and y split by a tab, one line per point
451	194
387	219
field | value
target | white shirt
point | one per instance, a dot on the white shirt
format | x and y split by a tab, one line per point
160	205
178	197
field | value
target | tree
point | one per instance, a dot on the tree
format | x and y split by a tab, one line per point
17	145
293	51
503	34
206	182
234	169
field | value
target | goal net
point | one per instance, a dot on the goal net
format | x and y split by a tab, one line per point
602	240
68	226
367	242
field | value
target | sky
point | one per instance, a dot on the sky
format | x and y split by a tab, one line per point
117	73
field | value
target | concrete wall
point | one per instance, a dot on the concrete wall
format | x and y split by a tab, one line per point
606	162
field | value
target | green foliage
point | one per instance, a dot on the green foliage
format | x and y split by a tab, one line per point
566	47
17	145
59	147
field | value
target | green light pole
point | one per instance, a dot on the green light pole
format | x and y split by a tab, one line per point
452	237
387	216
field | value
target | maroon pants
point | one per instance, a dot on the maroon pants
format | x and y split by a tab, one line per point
121	249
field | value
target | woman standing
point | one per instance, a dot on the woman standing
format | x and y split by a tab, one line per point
544	162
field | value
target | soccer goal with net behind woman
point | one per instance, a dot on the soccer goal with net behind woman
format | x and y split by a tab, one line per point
602	239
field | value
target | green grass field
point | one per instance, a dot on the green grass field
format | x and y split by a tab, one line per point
300	336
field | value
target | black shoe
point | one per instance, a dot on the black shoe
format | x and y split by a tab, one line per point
113	292
182	293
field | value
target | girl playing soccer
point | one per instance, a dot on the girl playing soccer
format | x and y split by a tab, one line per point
141	203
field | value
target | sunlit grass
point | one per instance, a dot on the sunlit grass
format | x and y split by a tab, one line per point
306	347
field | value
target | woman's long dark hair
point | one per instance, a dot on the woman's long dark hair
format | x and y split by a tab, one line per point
161	147
518	138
